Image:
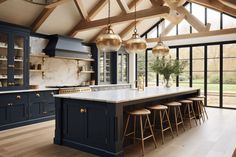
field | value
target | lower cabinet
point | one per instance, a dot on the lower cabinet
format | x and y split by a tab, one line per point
22	107
85	123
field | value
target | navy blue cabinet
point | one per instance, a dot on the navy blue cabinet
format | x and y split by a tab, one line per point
79	123
14	57
17	109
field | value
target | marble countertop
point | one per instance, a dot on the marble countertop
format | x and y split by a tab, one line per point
125	95
28	90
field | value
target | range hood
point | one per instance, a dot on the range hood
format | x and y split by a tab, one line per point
62	46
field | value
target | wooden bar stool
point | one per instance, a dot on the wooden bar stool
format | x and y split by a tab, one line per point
178	118
140	113
201	111
202	104
188	111
164	117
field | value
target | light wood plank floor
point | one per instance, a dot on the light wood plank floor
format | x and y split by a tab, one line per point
214	138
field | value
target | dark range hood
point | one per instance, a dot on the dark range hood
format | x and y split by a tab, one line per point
66	47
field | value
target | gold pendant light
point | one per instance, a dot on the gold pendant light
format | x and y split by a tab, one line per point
135	44
160	49
108	41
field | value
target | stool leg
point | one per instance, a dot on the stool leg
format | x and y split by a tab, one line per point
194	115
181	118
199	114
142	139
134	136
189	115
150	126
168	120
204	109
176	122
126	126
161	120
202	112
154	119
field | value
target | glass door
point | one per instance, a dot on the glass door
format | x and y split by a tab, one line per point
3	59
19	50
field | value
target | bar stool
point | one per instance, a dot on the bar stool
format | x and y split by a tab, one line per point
188	111
140	113
177	115
201	111
162	110
202	104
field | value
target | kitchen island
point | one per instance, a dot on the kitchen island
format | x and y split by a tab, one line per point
93	121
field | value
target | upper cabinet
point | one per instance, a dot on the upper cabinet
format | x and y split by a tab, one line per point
14	54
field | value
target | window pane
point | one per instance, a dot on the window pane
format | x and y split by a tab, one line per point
152	76
152	33
199	12
184	27
125	67
229	75
119	66
213	75
198	68
228	22
141	64
184	77
213	17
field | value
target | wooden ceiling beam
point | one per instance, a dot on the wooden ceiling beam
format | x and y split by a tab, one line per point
229	3
92	13
81	9
56	4
157	2
193	21
1	1
178	18
131	5
216	5
176	3
142	14
123	5
41	18
194	35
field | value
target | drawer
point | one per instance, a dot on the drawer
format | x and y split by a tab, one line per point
13	98
36	96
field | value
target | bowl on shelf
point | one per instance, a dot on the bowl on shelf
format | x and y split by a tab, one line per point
34	86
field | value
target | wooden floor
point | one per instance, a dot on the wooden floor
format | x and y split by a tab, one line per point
214	138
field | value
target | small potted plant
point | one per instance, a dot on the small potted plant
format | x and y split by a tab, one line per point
168	67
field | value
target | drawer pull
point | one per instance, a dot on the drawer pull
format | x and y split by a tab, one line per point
38	95
83	110
52	93
45	112
18	97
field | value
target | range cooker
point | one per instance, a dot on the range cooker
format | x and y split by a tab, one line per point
66	89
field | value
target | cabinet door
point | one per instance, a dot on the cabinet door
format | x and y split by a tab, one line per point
97	125
19	52
4	51
49	103
36	103
74	121
4	113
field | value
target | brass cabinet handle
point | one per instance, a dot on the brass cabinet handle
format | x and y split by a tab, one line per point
83	110
9	104
45	112
18	97
38	95
11	66
52	93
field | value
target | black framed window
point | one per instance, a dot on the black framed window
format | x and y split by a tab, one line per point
152	76
184	54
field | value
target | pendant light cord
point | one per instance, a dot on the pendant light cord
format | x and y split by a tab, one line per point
109	13
135	16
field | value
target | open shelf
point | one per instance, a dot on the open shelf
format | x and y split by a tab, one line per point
58	57
3	59
86	71
31	70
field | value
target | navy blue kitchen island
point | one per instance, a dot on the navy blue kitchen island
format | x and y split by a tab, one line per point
93	121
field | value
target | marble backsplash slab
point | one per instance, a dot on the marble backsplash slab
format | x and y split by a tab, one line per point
56	71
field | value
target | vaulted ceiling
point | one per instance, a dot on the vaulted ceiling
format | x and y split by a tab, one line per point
86	19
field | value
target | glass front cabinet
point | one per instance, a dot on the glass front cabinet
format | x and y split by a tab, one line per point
14	51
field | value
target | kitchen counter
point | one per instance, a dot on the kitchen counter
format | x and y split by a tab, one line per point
126	95
28	90
93	121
